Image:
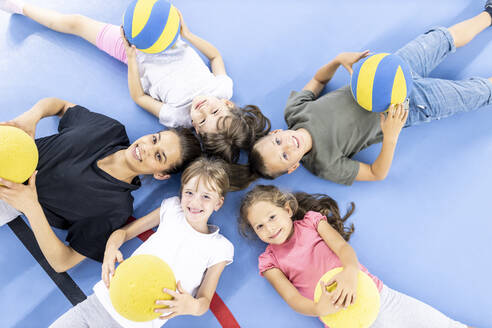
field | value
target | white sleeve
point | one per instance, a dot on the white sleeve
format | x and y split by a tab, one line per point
224	87
167	210
173	117
223	251
7	213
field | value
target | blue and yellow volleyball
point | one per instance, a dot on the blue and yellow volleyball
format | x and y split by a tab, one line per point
151	25
381	80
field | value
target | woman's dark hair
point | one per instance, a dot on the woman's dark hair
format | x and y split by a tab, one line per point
190	149
300	203
239	130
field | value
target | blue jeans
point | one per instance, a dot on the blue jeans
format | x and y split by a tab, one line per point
433	99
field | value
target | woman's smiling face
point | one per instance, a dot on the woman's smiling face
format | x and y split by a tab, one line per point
154	153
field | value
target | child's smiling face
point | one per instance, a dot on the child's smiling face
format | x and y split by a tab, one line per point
205	112
199	200
282	150
272	224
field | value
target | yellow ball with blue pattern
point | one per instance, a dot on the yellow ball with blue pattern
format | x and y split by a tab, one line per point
381	80
137	283
151	25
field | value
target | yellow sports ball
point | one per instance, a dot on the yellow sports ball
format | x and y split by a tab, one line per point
18	154
362	313
137	283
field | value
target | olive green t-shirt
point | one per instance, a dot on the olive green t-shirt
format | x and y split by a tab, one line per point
339	127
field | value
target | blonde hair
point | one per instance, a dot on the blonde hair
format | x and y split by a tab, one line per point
210	171
300	203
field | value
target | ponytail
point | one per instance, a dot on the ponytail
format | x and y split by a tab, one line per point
327	206
240	176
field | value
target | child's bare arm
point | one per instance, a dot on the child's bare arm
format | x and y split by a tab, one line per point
216	62
296	301
120	236
184	303
391	126
137	93
345	293
326	72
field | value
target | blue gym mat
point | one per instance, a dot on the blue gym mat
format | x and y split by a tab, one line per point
425	231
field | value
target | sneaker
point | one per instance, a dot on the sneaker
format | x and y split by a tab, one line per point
488	5
15	6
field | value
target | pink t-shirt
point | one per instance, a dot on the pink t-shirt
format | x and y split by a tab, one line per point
305	257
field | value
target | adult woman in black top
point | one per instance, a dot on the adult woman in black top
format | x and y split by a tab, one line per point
85	176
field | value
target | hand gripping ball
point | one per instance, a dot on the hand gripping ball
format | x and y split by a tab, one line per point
151	25
18	154
381	80
362	313
136	285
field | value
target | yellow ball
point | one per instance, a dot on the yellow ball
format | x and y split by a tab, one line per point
362	313
18	154
137	283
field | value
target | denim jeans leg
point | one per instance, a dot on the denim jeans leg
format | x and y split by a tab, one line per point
433	99
427	51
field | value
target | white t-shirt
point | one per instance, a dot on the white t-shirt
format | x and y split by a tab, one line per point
188	252
175	77
7	213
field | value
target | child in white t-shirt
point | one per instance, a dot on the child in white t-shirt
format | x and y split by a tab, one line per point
175	85
194	250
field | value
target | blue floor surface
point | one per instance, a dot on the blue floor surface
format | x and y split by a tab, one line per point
425	231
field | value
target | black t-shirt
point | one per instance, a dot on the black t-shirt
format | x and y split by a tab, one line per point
74	192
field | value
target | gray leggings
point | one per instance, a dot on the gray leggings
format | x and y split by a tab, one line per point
87	314
401	311
397	311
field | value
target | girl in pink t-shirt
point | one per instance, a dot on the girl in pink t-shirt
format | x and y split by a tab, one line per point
307	237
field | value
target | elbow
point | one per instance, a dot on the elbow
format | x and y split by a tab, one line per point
59	267
138	99
61	263
135	96
203	307
378	176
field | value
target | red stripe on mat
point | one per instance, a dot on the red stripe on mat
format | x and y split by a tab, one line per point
217	306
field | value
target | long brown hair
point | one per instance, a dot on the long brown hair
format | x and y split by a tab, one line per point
242	175
237	131
300	203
